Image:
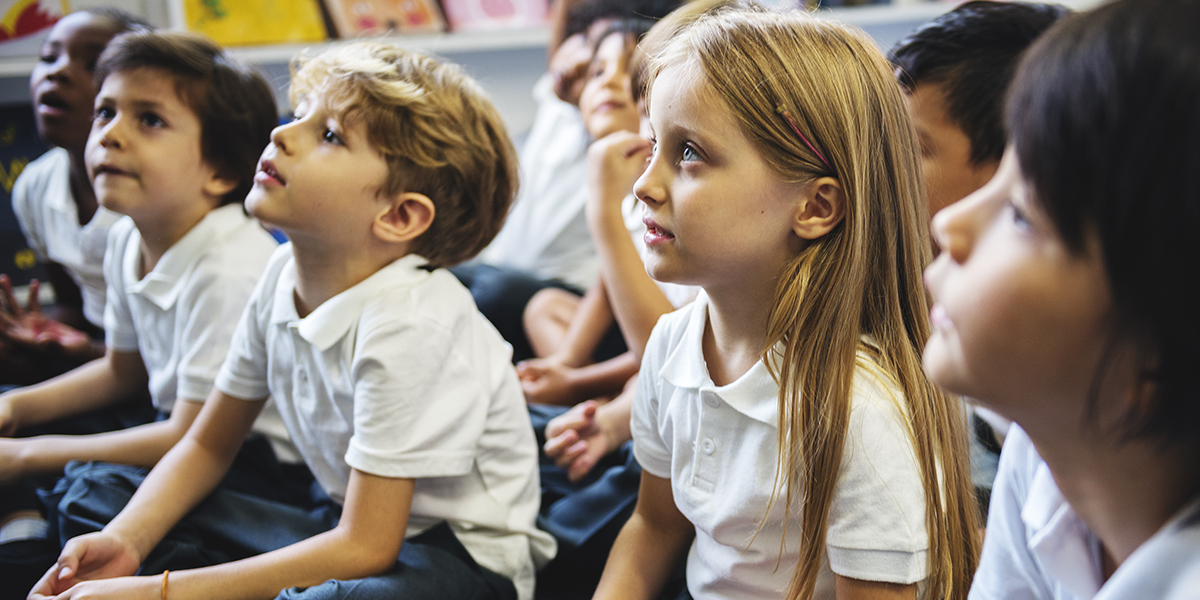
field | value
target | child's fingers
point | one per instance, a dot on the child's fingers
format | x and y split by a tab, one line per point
569	455
558	444
8	303
581	467
35	305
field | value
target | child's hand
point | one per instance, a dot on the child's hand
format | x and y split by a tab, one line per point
568	66
577	440
546	381
121	588
614	164
30	326
96	556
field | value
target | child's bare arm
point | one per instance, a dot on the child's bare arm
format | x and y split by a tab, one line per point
856	589
142	446
365	542
108	380
650	545
614	163
188	473
550	382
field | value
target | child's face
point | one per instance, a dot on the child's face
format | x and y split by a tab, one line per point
945	149
606	102
319	177
716	215
1018	318
144	154
61	84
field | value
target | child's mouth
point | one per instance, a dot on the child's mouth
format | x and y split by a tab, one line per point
268	174
109	170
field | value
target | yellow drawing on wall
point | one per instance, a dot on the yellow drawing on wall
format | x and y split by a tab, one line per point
252	22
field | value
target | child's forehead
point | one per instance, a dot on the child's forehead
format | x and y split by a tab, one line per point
84	28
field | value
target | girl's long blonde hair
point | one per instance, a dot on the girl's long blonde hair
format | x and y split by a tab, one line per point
862	280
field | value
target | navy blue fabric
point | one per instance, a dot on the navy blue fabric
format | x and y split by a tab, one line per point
502	293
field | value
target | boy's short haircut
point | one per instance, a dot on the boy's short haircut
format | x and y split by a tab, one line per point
234	104
973	52
436	129
125	21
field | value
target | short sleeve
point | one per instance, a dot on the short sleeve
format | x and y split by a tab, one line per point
1006	567
244	372
651	450
419	407
211	309
877	526
26	213
120	333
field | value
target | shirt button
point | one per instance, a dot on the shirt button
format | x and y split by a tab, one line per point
711	401
707	446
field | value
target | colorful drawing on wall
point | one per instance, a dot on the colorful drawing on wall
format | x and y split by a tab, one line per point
353	18
19	18
487	15
255	22
19	145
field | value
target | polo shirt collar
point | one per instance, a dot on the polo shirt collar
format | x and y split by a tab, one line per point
165	283
1064	543
754	394
331	320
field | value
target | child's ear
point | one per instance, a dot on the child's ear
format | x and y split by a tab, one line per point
406	217
822	207
217	186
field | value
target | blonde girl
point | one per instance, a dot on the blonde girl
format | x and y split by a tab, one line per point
789	440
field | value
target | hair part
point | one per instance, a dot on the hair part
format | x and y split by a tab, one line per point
581	16
1103	118
435	128
234	103
862	281
972	53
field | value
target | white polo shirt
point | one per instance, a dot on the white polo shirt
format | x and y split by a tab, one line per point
401	376
49	218
719	447
1037	548
181	315
547	232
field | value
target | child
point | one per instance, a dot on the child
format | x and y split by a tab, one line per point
53	198
785	183
563	328
398	393
1058	306
954	71
178	126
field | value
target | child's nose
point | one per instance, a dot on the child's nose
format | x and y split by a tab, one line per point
110	134
956	227
279	137
649	188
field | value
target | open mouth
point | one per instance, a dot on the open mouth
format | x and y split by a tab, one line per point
653	229
266	170
53	101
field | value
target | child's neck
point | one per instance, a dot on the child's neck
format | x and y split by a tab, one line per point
81	188
159	235
324	271
736	331
1124	491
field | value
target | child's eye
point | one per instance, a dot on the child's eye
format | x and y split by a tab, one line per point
47	57
103	113
153	121
689	154
331	137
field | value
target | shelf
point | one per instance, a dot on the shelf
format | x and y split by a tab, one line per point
440	43
448	44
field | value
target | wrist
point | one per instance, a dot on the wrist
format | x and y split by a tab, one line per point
614	429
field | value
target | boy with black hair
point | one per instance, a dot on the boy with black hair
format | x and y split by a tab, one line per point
177	130
955	71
